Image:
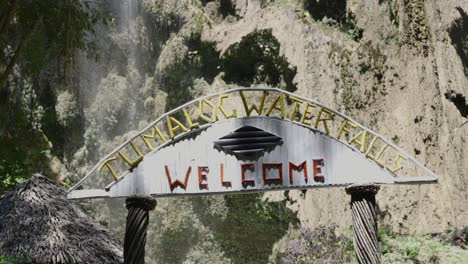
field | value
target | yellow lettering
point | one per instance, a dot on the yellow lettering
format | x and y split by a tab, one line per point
221	108
295	106
371	146
379	154
189	120
249	110
279	99
202	114
360	140
344	127
106	164
396	161
305	114
324	120
155	130
171	128
132	163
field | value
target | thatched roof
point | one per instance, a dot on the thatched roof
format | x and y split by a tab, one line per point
39	223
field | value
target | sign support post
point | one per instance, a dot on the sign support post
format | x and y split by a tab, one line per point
137	224
366	244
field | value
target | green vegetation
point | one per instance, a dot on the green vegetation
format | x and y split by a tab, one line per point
38	32
226	7
23	147
37	38
417	34
320	245
334	12
204	56
12	260
332	9
251	227
397	248
198	59
176	244
256	59
349	27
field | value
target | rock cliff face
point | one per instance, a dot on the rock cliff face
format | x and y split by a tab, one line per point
399	67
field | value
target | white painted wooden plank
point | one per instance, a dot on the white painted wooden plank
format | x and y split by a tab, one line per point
343	164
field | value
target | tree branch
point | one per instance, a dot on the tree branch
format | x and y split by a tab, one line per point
10	11
24	39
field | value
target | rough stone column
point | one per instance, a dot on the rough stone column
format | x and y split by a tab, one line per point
137	223
366	245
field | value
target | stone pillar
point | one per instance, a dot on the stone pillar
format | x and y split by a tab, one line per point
366	244
135	231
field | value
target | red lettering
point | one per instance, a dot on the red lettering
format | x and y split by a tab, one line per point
221	172
302	166
202	181
318	164
278	179
245	181
177	182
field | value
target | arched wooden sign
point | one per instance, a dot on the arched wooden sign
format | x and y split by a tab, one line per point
249	139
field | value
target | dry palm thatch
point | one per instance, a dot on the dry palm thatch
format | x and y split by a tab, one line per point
39	224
